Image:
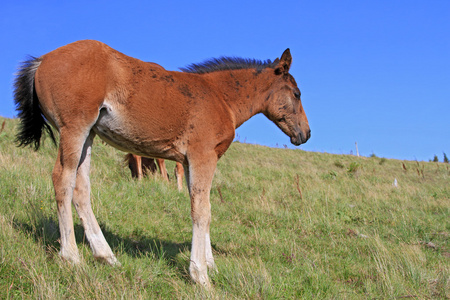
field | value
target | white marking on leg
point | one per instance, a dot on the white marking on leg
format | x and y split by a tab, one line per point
198	267
199	178
209	256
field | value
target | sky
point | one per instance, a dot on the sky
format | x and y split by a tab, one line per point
375	73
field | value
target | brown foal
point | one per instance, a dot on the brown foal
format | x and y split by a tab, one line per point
86	89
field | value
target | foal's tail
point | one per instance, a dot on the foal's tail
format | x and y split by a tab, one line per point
32	121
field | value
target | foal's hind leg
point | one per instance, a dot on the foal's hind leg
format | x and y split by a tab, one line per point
64	176
82	202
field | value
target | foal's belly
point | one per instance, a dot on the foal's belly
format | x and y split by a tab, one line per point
126	135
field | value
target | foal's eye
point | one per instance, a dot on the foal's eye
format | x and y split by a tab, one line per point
297	94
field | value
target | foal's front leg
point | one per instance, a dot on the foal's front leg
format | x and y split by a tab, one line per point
199	178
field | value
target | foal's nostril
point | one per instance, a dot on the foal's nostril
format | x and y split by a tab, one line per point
305	138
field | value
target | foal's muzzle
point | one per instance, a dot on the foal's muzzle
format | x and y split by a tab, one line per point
301	138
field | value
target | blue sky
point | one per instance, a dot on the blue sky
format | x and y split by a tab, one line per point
372	72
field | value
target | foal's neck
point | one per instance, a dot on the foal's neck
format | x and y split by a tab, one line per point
244	91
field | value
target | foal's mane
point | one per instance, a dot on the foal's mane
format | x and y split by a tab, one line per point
229	63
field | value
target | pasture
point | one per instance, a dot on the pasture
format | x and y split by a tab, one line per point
286	224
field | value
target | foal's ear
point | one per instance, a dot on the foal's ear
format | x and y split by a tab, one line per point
285	63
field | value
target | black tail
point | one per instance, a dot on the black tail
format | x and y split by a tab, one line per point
32	121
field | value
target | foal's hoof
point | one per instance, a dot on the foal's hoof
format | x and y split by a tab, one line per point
113	261
110	260
200	277
73	259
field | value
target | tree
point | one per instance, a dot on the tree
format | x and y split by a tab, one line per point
445	158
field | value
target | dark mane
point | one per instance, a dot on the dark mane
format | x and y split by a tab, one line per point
229	63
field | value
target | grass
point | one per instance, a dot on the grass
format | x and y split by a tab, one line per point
286	224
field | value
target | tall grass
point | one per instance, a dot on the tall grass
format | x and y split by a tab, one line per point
286	224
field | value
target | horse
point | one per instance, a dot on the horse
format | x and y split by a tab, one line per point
87	88
142	166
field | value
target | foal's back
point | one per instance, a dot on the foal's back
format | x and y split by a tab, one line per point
133	105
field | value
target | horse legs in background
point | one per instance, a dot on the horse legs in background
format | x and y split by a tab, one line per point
179	171
162	168
135	165
148	166
141	166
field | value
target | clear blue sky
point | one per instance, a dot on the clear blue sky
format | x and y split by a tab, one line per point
372	72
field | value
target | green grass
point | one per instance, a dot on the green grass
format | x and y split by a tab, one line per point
286	224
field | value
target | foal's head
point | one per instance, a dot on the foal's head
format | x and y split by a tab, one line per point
284	106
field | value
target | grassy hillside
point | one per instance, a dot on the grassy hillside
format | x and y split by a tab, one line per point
286	224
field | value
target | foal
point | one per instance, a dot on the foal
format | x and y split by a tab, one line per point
86	89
